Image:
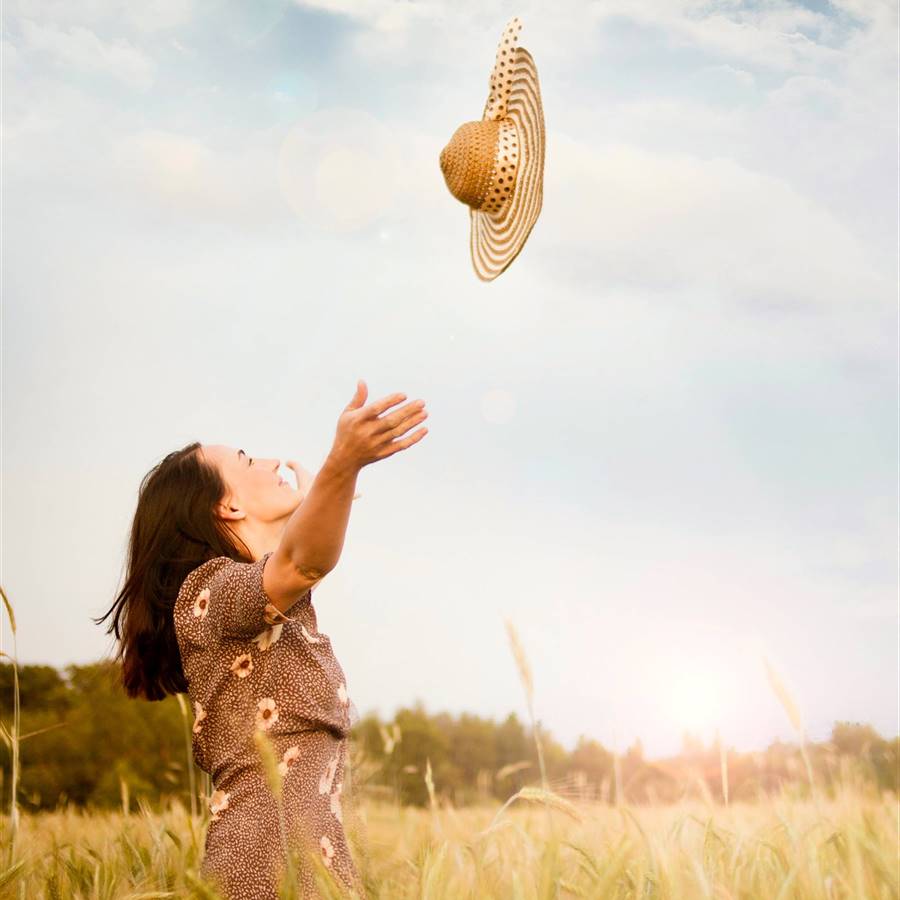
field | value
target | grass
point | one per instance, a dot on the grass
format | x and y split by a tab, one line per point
845	847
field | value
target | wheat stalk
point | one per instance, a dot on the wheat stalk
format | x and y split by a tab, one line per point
525	676
512	768
793	713
429	783
12	734
723	766
189	753
276	785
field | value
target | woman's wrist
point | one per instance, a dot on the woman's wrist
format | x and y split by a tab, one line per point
339	467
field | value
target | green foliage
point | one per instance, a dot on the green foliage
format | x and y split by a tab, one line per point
83	738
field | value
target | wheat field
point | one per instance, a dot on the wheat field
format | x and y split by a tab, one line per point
800	843
789	848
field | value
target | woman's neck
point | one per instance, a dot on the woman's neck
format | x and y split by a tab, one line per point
260	537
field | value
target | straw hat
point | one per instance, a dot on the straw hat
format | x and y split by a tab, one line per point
496	166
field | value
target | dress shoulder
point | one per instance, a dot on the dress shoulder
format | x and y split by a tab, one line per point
224	598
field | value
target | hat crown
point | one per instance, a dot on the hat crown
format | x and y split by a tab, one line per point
468	161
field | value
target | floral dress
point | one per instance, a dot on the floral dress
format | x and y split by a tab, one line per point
252	668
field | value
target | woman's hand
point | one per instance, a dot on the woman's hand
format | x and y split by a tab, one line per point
366	434
303	478
314	535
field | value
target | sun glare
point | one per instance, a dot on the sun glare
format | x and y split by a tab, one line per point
695	703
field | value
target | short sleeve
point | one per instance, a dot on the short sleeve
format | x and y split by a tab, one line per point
226	599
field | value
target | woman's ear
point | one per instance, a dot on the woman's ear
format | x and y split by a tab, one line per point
228	512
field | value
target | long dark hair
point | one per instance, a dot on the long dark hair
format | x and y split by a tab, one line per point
175	529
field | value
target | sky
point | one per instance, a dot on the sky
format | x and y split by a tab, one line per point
663	444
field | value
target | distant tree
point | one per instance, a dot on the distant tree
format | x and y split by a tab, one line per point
854	738
889	773
82	738
368	735
592	758
691	745
596	762
40	688
473	751
512	741
869	749
421	741
516	757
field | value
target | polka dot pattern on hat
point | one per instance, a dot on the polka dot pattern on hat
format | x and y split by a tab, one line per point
497	236
503	172
501	81
496	167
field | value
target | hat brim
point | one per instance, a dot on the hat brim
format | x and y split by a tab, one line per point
497	239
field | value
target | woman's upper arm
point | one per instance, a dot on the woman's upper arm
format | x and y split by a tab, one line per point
285	584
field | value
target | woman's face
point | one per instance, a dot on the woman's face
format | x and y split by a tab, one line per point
253	486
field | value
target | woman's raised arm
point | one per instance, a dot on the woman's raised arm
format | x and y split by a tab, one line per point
314	536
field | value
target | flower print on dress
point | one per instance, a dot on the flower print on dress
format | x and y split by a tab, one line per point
308	637
199	716
266	713
201	604
291	755
242	665
342	693
327	850
218	802
266	638
334	803
310	717
327	778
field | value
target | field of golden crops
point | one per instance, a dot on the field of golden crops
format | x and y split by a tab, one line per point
802	842
845	847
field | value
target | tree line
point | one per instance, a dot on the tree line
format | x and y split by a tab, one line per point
84	743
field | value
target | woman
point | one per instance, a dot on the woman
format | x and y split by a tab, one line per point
217	602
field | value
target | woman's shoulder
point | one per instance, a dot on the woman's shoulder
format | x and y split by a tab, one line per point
225	596
222	573
195	593
199	578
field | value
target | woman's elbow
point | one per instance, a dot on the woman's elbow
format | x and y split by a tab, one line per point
312	571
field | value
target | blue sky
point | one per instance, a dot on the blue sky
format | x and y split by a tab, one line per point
663	443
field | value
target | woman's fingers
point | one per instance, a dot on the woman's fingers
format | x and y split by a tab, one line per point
362	392
398	417
397	446
405	425
385	403
368	433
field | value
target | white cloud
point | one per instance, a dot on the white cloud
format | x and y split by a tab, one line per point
876	12
147	16
187	177
158	15
81	49
382	15
769	35
626	215
779	34
338	169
